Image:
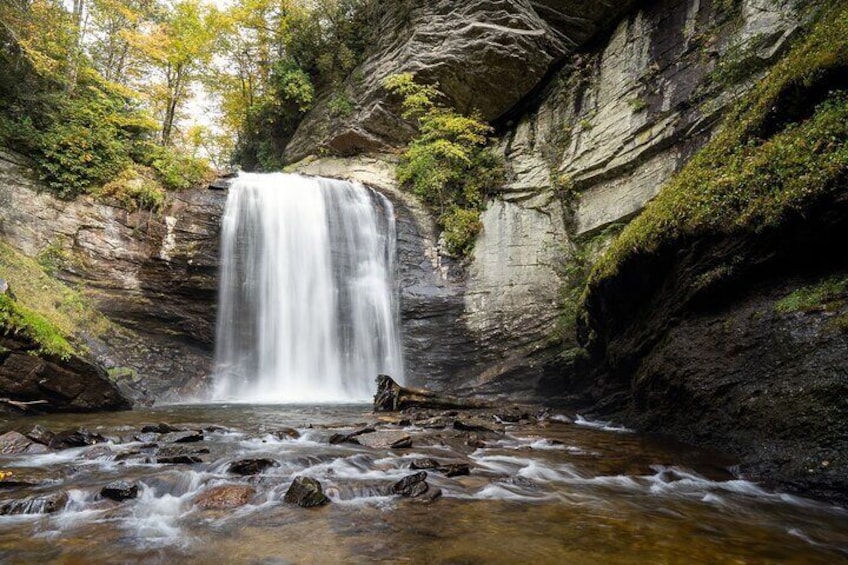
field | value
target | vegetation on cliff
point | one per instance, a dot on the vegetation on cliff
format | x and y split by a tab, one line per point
448	164
43	309
781	149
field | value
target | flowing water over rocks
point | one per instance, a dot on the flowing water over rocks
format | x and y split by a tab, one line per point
209	483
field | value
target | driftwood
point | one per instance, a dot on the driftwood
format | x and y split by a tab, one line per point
24	406
391	397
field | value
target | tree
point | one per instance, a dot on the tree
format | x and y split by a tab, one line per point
177	46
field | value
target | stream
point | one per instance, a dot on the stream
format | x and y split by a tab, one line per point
540	490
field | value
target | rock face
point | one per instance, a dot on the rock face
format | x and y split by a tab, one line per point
59	385
155	275
716	361
485	55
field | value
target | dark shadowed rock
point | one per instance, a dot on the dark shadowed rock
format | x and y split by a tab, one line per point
161	428
119	491
306	493
423	464
41	435
247	467
97	452
75	438
411	486
181	454
224	497
351	437
454	469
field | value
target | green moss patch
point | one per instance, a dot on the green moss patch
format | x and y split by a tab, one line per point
782	148
829	292
43	309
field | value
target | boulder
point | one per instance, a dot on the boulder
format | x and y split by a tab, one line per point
42	504
412	485
119	491
286	433
191	436
306	493
75	438
423	463
338	438
181	454
247	467
454	469
160	428
14	443
41	435
224	497
385	439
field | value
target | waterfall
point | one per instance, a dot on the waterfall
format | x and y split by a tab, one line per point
307	306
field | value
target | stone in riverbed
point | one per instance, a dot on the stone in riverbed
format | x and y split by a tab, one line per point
181	455
44	504
41	435
412	485
75	438
247	467
160	428
119	491
423	463
15	443
306	493
286	433
190	436
97	452
454	469
385	439
224	496
338	438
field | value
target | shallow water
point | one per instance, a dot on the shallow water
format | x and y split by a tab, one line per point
555	493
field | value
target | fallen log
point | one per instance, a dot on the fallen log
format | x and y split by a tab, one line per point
391	397
22	406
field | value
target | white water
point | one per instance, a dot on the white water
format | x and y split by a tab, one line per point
307	309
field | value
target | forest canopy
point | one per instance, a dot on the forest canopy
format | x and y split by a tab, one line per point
97	92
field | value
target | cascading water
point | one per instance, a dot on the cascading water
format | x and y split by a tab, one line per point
307	308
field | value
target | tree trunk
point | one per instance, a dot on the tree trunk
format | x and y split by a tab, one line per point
391	397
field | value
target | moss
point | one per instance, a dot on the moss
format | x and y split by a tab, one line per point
821	295
18	319
758	170
43	308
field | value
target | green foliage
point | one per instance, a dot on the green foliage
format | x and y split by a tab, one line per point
17	319
340	106
771	159
833	290
448	164
135	189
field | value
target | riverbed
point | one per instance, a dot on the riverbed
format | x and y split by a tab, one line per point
547	488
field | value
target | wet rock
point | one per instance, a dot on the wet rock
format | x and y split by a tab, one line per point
147	437
15	443
224	496
386	439
247	467
97	452
306	493
454	469
42	504
119	491
181	454
338	438
472	426
411	486
75	438
191	436
423	463
161	428
473	440
287	433
430	495
41	435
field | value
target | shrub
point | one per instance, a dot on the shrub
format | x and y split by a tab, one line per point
448	165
